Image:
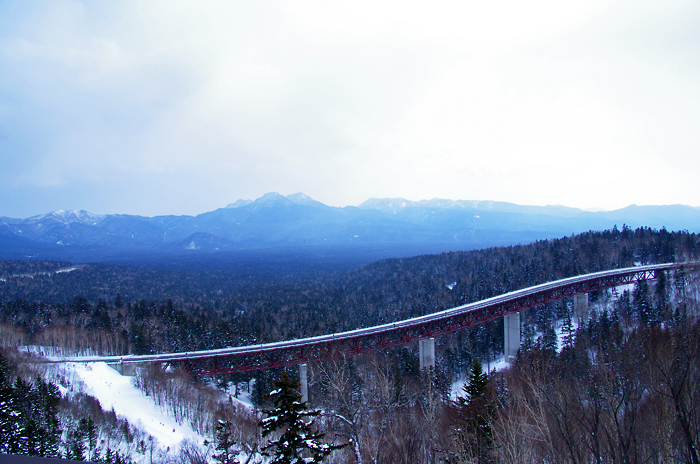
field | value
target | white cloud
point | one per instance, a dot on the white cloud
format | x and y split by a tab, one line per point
584	104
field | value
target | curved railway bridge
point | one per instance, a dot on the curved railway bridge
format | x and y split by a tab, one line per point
325	347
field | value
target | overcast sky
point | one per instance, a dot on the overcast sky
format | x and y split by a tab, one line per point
181	107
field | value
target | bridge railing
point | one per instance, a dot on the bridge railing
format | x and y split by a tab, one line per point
325	347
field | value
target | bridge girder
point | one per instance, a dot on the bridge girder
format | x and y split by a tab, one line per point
402	334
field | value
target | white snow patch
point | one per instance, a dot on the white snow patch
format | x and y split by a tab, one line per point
117	392
244	397
67	269
496	365
48	273
619	290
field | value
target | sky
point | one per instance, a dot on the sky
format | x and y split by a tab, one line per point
181	107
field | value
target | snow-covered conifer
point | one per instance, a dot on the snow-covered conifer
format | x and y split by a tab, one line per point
225	443
292	423
10	429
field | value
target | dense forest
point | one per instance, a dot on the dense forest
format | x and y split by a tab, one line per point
119	310
573	399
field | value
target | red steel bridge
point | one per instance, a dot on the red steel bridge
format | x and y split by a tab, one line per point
338	345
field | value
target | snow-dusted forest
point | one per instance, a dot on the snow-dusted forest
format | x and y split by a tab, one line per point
620	388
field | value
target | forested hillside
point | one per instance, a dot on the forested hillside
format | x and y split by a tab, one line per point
390	410
119	310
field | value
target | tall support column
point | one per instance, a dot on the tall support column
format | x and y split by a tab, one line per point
303	383
124	369
511	339
581	311
426	353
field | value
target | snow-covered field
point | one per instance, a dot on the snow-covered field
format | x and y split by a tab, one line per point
118	393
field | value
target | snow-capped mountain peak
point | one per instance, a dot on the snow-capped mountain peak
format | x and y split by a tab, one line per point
239	203
70	216
271	199
301	199
389	205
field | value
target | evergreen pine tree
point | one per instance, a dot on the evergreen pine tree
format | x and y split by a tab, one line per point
224	444
679	282
76	445
89	430
10	417
40	411
625	306
642	303
549	339
568	332
297	442
474	413
28	416
49	398
86	431
478	382
662	296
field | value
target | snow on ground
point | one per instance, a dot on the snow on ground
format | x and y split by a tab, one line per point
496	365
68	269
48	273
244	395
117	392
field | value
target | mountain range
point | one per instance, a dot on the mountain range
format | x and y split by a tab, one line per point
277	221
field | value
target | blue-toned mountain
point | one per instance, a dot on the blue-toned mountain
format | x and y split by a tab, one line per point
276	221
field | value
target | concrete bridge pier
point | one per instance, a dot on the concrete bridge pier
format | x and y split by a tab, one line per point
303	383
128	370
511	339
426	353
581	312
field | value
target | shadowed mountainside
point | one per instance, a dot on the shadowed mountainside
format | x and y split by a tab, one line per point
378	228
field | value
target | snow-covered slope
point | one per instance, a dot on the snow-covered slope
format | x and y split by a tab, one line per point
117	392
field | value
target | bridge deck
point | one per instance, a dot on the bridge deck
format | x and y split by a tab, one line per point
324	347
